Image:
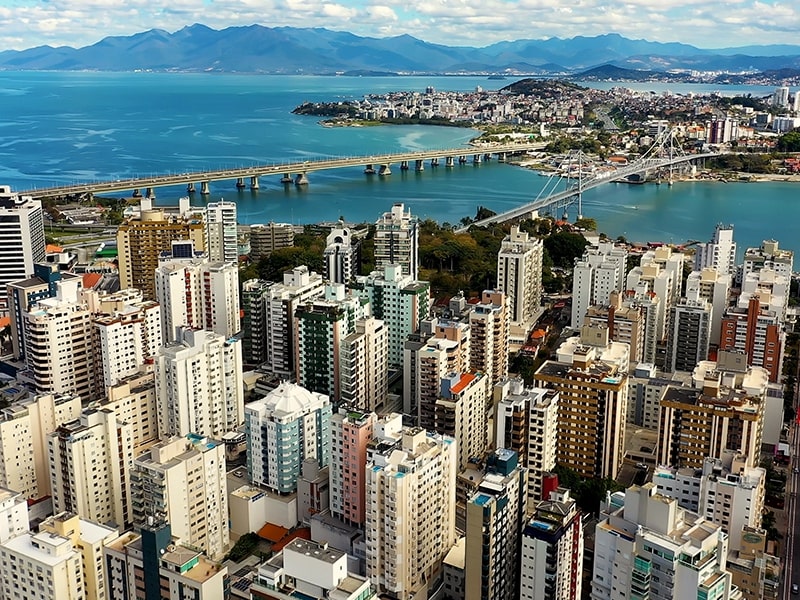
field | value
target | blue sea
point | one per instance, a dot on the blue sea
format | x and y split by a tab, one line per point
58	128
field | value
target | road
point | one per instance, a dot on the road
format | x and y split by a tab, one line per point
791	569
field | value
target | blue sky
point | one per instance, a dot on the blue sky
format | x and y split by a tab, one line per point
703	23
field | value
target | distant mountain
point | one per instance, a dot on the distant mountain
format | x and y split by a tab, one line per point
258	49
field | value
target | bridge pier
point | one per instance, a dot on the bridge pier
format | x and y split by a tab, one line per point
462	160
384	170
449	161
476	159
487	156
190	188
404	165
287	178
434	162
149	193
501	157
240	183
369	170
254	182
419	165
301	179
204	191
137	193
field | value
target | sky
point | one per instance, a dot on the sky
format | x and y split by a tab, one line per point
702	23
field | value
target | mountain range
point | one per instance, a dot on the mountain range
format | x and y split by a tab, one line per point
258	49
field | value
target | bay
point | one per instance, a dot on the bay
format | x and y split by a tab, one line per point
65	127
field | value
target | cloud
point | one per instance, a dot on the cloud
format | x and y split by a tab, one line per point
27	23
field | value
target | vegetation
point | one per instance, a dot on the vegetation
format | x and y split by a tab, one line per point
588	493
744	163
789	142
244	547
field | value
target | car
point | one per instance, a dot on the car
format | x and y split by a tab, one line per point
641	466
797	470
795	588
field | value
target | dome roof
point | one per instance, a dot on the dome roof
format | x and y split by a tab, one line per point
290	398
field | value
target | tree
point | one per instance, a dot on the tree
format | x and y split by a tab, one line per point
789	142
564	247
586	223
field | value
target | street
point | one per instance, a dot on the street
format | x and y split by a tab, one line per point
791	570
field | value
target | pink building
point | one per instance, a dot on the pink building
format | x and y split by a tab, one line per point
351	431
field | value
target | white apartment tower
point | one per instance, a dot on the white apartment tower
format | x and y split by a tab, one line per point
182	480
221	234
719	253
659	274
342	254
364	366
90	465
712	287
519	274
133	400
767	256
24	427
489	331
460	414
21	239
13	514
199	385
411	502
397	241
41	559
58	344
599	272
283	429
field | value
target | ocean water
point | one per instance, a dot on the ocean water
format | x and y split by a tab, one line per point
58	128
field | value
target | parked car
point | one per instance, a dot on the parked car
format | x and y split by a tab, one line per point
795	588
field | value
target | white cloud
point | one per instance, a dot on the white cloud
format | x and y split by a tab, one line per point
704	23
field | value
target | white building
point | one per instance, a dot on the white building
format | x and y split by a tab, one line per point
13	514
659	273
134	402
712	287
182	480
727	492
21	239
519	274
551	567
364	365
397	241
41	559
460	413
221	234
647	546
342	254
24	427
411	503
719	253
767	256
199	385
599	272
288	426
489	336
90	465
771	288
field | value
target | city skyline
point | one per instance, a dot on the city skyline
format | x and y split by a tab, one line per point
77	23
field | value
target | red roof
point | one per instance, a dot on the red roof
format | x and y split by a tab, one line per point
52	249
465	380
272	533
91	279
304	533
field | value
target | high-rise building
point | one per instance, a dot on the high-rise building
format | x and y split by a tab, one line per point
194	292
428	365
321	326
552	550
13	514
460	413
288	426
142	239
659	274
199	385
24	426
756	573
255	299
182	481
153	564
780	97
133	400
590	376
90	465
299	285
221	234
719	253
771	288
689	334
714	288
526	421
410	499
767	256
24	293
58	355
646	546
698	423
397	241
364	366
48	566
519	274
489	332
342	255
266	238
21	239
351	433
757	332
599	272
646	388
495	516
727	492
400	301
89	539
626	323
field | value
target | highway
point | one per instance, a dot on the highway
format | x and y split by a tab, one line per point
306	166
